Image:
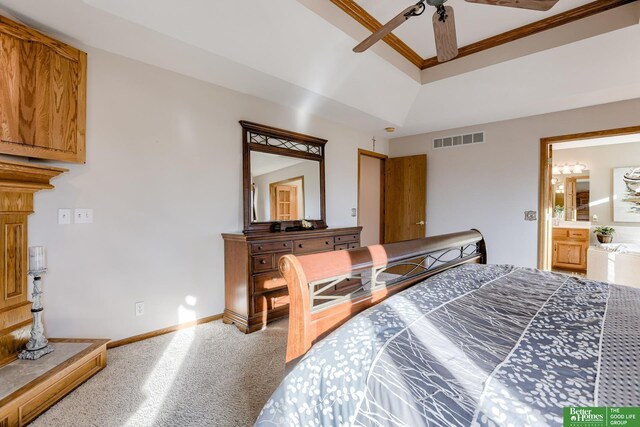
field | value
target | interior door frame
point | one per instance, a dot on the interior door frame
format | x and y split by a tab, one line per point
545	201
383	158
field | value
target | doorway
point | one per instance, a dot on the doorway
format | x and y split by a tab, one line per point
287	199
569	196
371	178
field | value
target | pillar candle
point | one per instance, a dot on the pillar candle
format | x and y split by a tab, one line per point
37	260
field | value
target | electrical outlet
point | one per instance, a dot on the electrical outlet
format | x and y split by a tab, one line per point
530	215
64	216
354	212
83	216
140	308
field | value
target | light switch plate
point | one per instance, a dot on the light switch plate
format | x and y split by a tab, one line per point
64	216
354	212
83	216
530	215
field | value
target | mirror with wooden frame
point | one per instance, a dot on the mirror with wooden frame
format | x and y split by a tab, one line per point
283	180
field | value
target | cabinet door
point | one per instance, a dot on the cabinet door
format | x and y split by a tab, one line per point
63	81
42	95
569	255
9	89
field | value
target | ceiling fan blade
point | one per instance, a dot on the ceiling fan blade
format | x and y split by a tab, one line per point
540	5
445	35
388	27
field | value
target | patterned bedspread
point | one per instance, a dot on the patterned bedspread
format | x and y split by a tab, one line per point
477	345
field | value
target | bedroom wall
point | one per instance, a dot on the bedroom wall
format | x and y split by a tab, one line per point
489	186
163	176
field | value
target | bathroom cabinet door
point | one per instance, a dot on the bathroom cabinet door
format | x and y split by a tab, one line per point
569	255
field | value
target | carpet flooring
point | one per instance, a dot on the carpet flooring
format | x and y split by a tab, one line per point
208	375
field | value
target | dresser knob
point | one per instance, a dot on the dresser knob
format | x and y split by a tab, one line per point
300	245
284	244
327	242
259	248
262	261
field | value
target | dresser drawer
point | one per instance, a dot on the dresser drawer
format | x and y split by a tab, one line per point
578	234
263	262
346	238
268	281
257	248
270	301
312	245
267	262
344	246
560	232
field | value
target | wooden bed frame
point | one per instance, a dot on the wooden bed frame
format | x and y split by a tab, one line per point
314	281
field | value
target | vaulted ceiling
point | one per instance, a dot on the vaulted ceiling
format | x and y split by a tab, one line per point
298	53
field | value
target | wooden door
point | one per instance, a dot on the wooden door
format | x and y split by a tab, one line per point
405	198
284	202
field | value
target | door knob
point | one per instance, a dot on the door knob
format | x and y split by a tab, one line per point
420	223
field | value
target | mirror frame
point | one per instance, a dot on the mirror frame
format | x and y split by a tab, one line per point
267	139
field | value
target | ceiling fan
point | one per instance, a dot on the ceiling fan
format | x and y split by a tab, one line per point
444	27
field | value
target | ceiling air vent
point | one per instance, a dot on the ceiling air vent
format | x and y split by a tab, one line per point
458	140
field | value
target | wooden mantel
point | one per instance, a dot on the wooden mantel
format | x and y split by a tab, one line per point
18	182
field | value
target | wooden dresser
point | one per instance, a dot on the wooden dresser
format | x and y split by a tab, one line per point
255	293
570	247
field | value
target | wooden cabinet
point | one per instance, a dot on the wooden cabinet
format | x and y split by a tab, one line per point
42	95
18	183
570	247
255	293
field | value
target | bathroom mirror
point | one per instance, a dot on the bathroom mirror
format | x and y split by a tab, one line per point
283	179
571	197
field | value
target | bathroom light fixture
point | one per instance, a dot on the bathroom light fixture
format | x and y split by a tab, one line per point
568	168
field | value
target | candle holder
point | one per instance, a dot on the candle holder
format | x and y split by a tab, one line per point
38	345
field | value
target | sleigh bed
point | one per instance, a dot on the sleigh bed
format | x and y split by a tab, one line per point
436	337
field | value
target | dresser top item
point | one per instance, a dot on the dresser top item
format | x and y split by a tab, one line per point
286	235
